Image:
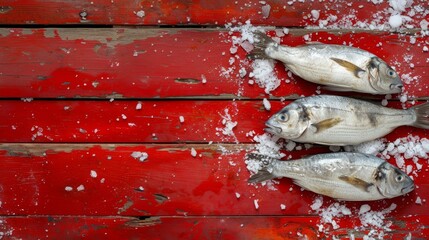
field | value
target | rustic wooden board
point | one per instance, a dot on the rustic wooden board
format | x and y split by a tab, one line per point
240	227
157	121
170	182
207	12
169	63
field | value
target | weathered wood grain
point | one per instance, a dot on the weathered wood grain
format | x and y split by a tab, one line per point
206	12
156	122
171	63
34	178
239	227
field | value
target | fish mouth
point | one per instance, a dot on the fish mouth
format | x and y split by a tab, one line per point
407	189
396	88
272	129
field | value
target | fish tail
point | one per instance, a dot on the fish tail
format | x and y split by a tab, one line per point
263	174
262	42
422	113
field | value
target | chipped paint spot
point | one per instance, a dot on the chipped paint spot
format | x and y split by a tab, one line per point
147	222
40	150
115	95
109	37
187	80
41	77
5	9
4	32
126	206
160	198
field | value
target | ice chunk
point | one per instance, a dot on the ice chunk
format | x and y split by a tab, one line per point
80	188
315	14
424	24
93	174
139	106
364	208
267	104
255	202
266	11
140	14
395	21
141	156
317	203
193	152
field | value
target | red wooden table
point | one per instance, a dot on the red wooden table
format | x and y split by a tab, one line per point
86	87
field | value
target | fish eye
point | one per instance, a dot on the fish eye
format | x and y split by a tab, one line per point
283	117
391	73
399	178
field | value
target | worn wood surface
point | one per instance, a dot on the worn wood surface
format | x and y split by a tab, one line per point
170	182
236	227
205	12
156	121
73	72
171	63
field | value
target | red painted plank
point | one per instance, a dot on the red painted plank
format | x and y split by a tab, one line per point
282	13
34	178
157	63
156	121
270	228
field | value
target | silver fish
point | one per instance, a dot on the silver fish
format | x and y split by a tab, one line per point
345	176
335	120
341	68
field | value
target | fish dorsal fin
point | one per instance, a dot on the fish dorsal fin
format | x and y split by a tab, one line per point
326	124
356	182
357	71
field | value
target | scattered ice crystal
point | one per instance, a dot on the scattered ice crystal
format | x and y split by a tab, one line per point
139	106
315	14
93	174
267	104
266	11
395	21
141	156
140	14
80	188
256	203
193	152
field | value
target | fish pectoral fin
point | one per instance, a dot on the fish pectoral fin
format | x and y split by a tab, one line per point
262	175
326	124
357	71
356	182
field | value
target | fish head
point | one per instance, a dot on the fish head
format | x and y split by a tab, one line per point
383	79
289	123
393	182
